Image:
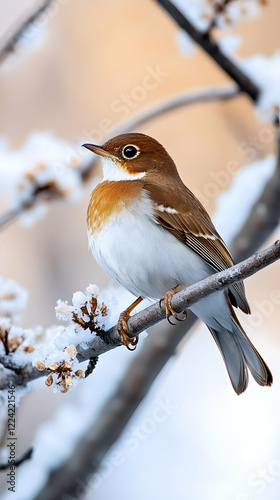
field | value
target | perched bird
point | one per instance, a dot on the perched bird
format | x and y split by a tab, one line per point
152	235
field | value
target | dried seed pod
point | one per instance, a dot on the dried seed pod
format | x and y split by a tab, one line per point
69	380
104	310
40	365
49	380
71	350
30	175
64	389
29	348
53	366
67	365
14	343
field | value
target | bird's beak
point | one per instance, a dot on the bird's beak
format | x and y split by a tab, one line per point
98	150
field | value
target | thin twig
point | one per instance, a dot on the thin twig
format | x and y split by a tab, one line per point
184	99
206	42
10	44
164	106
156	312
26	456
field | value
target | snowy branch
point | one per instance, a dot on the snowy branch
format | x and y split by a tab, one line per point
206	42
51	192
110	422
10	45
105	341
264	216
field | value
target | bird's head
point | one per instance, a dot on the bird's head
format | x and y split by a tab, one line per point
133	156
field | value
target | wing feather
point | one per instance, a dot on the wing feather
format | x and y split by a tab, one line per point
184	217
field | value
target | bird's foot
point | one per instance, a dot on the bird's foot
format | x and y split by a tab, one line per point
129	342
166	299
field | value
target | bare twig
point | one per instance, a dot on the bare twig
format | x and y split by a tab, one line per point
187	98
207	43
164	106
156	312
10	45
26	456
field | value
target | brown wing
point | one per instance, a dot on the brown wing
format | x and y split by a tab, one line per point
181	213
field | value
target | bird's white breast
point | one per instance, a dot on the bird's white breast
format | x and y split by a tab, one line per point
141	255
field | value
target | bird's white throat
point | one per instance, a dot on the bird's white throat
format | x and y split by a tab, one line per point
113	171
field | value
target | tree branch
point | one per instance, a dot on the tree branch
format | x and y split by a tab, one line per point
106	427
264	216
151	112
26	456
110	422
153	314
10	44
206	42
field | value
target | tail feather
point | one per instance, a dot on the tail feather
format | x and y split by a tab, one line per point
255	362
239	353
233	357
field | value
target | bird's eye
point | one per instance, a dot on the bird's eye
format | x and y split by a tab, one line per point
130	152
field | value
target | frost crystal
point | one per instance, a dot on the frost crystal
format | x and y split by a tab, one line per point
265	72
25	173
86	316
13	299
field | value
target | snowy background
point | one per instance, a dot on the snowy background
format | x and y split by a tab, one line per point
69	82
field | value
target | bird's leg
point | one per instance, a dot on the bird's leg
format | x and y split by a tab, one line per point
129	342
168	306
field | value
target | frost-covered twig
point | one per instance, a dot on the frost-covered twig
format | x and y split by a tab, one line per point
10	45
50	190
105	341
206	42
110	422
116	412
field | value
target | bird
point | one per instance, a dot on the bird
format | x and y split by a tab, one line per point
153	236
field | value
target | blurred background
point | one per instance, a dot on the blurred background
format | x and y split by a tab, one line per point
78	72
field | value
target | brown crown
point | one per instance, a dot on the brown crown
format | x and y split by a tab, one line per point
152	156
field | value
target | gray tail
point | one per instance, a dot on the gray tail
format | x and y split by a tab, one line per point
239	354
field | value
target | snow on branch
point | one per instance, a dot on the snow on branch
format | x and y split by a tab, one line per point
91	320
38	182
264	214
208	44
10	45
137	379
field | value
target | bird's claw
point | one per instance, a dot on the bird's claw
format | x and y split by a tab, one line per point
129	342
166	299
